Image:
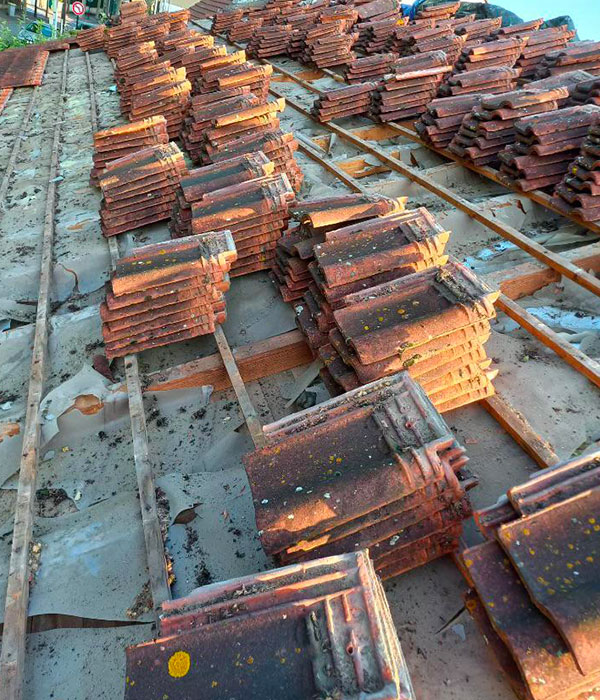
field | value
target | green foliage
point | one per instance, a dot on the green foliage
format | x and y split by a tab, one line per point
8	40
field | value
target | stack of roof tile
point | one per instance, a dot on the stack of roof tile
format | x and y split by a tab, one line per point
312	220
167	292
91	39
376	467
450	44
587	92
436	12
275	623
224	21
256	213
483	81
137	79
343	102
406	93
177	21
539	43
373	37
132	11
344	14
151	29
139	189
246	127
407	38
204	82
305	30
120	37
414	38
256	78
491	126
545	146
535	585
205	9
360	256
455	23
245	30
184	38
135	64
330	49
204	107
126	139
579	191
434	322
193	62
521	28
270	41
209	178
379	10
440	123
477	30
167	94
581	55
501	53
368	67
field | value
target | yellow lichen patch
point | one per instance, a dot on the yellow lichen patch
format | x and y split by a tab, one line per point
179	664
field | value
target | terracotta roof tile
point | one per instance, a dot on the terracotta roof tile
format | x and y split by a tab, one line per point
165	292
537	580
290	609
22	67
334	501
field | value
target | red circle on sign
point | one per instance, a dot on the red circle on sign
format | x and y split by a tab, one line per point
78	8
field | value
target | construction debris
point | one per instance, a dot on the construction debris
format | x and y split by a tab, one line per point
376	467
167	292
125	140
535	581
262	636
139	189
546	144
